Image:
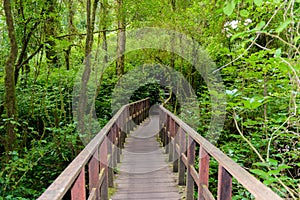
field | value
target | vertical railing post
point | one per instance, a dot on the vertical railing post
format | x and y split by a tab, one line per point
78	189
94	173
118	141
171	141
203	171
191	160
176	143
167	134
110	161
182	143
104	168
224	184
114	145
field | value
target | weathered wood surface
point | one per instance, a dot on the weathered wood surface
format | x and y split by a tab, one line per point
144	172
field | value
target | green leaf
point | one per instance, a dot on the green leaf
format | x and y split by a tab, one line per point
273	162
261	164
228	9
258	2
277	53
244	13
260	25
274	172
270	181
260	173
283	26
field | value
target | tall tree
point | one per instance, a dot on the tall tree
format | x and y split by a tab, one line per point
121	38
91	17
10	93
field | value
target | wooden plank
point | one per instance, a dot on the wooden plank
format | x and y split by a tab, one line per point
206	194
78	189
194	174
224	184
144	172
93	195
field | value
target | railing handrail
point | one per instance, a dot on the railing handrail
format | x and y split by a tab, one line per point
64	181
254	186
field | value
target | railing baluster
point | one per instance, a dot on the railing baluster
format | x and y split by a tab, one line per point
78	189
203	172
104	149
114	145
176	143
224	184
167	134
110	157
182	143
191	160
94	173
171	140
118	142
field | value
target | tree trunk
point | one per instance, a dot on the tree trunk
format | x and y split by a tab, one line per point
50	31
121	39
87	70
71	29
103	25
10	93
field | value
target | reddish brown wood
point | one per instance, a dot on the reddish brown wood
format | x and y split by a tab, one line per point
203	172
191	160
224	184
110	160
94	174
176	143
182	143
69	177
104	167
78	189
93	195
255	187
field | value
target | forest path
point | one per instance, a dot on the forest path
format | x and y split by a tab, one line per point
144	171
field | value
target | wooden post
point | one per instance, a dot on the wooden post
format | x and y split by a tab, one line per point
118	142
107	178
78	189
224	184
171	141
167	135
191	160
110	162
94	173
203	171
176	142
182	143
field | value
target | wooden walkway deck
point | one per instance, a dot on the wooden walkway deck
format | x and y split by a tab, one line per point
144	172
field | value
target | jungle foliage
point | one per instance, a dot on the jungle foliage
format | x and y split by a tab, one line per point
45	44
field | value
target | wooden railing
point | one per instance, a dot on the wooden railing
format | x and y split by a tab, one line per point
94	165
180	141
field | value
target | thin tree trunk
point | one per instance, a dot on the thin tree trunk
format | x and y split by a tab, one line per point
121	39
87	70
10	93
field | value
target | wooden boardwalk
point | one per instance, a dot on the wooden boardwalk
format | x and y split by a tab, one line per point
144	172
